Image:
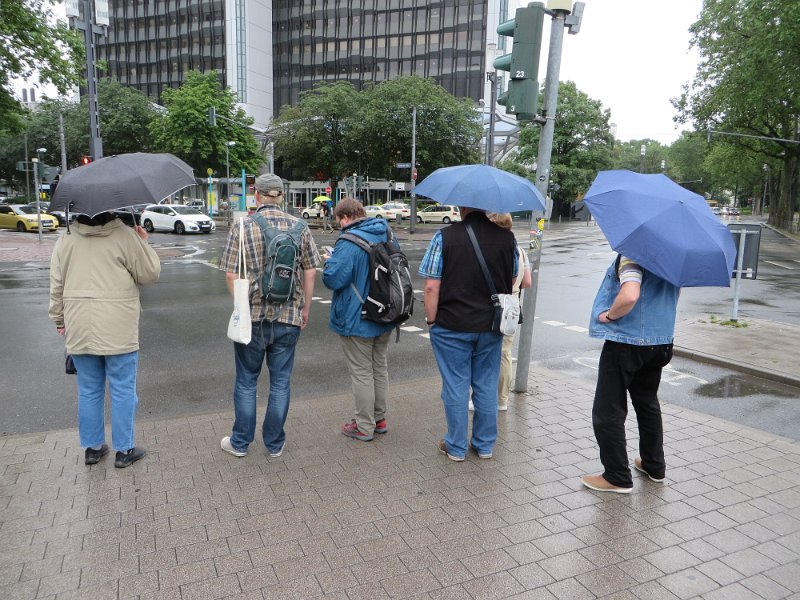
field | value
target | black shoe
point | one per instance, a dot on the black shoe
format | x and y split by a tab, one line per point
93	456
126	459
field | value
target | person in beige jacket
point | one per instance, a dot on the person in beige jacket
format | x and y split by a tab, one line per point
95	273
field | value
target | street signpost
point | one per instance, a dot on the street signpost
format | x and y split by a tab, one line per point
746	258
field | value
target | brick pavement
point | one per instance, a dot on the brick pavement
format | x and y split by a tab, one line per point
393	518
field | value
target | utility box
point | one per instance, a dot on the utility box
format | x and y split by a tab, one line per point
752	243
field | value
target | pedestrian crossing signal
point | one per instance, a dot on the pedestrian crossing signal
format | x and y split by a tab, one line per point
86	159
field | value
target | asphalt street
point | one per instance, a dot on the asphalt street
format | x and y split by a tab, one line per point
186	363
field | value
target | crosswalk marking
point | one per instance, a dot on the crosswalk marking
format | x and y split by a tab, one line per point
411	328
427	336
577	328
316	297
325	301
554	323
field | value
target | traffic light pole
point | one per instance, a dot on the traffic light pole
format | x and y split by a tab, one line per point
413	218
542	181
492	78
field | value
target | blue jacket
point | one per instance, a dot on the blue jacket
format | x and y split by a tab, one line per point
349	264
651	322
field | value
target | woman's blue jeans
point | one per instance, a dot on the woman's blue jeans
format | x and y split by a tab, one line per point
93	371
275	342
468	360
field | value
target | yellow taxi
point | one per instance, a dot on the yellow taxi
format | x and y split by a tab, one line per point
22	217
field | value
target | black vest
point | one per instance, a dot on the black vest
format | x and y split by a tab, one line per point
465	302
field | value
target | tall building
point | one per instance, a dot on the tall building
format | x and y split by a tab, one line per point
270	51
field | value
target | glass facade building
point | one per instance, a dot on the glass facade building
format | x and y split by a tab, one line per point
375	40
151	44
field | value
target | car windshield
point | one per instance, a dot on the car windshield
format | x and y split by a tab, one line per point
27	210
186	210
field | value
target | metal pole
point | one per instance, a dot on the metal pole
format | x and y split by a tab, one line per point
62	142
542	182
413	224
492	77
27	171
739	263
95	141
35	162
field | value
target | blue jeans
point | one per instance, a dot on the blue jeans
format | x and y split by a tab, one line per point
275	341
93	371
468	359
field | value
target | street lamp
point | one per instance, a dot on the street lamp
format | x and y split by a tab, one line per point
763	202
228	146
642	152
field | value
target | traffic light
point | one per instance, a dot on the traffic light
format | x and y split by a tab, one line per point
212	116
522	96
86	159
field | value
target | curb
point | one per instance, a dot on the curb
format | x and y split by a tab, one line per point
719	361
786	234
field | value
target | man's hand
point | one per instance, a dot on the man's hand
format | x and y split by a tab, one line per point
61	330
143	235
303	319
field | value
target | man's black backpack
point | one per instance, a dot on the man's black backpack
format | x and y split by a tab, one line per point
390	298
281	261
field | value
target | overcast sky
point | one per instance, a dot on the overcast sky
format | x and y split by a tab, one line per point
633	56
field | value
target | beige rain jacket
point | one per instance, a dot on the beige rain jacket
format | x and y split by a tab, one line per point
94	277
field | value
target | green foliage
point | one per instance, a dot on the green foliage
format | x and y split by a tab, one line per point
747	83
335	131
33	41
582	144
184	131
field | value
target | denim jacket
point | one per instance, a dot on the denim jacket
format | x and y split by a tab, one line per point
651	321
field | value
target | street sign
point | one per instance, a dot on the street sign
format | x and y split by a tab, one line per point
327	190
400	186
752	245
210	171
414	175
404	165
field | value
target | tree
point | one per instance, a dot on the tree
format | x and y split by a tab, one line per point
317	137
184	130
582	145
31	40
335	131
746	83
628	155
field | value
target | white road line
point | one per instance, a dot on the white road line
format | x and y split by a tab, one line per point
411	329
316	297
778	264
427	336
325	301
419	291
577	328
554	323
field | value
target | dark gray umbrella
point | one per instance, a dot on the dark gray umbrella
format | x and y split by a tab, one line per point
122	180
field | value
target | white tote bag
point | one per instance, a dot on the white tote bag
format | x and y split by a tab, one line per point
239	327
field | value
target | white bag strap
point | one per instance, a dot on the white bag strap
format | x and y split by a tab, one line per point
242	253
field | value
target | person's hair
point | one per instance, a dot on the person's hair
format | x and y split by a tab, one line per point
350	208
97	220
500	219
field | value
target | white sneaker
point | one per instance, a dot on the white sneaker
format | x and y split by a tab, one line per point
278	453
225	444
502	407
471	406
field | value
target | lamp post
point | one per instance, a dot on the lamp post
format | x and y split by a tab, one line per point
37	162
228	146
491	77
763	202
642	152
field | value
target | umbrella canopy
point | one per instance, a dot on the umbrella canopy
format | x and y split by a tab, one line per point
122	180
483	187
322	199
665	228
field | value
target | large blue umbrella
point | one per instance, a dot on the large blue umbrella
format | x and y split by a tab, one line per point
483	187
665	228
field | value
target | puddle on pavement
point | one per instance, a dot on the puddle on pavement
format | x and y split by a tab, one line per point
739	386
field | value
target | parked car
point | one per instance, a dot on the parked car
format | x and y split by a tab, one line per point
175	217
311	212
23	217
125	214
441	213
716	210
380	211
399	207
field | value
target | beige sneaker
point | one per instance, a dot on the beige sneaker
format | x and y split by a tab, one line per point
598	483
637	464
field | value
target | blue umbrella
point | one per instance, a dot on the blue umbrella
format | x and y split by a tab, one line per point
483	187
665	228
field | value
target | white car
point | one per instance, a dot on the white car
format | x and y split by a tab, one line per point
440	213
176	217
380	211
399	207
314	211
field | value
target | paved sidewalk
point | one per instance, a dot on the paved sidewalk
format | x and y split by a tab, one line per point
393	518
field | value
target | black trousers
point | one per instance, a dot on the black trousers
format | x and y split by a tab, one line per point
636	370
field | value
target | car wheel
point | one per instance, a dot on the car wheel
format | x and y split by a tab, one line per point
419	219
446	220
179	228
306	215
21	227
148	226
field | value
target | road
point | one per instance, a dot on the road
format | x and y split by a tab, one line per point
186	363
